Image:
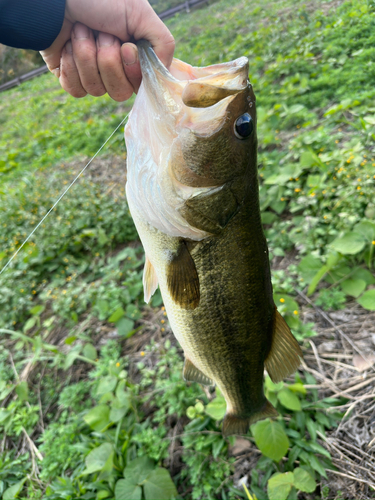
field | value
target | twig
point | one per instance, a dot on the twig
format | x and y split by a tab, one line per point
320	366
332	323
353	478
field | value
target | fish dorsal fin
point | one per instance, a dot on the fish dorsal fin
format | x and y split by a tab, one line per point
285	355
182	279
150	280
192	374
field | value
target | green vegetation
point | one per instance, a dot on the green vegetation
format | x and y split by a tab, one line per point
78	418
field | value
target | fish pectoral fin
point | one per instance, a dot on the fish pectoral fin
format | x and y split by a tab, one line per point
234	424
192	374
285	355
150	280
182	279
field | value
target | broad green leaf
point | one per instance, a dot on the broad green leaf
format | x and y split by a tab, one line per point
288	399
353	287
122	395
271	439
12	492
159	485
35	311
349	244
89	352
367	300
139	469
308	267
118	410
125	326
303	480
98	457
279	486
125	489
107	468
106	384
216	409
367	229
22	391
118	314
363	274
332	260
271	386
98	418
30	323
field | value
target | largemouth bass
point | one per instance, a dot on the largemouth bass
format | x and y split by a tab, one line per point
192	190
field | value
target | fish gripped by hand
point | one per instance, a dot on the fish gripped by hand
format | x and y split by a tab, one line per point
192	190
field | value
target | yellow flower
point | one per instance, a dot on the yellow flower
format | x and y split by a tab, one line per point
297	190
359	188
336	141
373	242
64	292
324	217
163	329
33	292
295	312
142	353
163	321
282	301
117	364
312	194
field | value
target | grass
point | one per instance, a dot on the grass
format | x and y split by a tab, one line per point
90	411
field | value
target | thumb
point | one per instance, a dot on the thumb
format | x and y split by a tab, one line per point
52	55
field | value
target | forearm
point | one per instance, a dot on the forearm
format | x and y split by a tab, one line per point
30	24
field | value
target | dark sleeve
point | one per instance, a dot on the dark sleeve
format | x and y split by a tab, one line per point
30	24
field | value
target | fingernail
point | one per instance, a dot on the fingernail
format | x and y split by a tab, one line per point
129	58
105	39
56	72
69	47
81	31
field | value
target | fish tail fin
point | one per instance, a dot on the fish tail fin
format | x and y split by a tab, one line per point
233	424
285	355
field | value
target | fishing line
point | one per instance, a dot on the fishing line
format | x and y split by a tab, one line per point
62	196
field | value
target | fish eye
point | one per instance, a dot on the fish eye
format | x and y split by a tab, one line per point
243	126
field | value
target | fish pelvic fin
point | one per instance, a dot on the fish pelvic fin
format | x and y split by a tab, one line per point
234	424
192	374
150	280
182	279
285	355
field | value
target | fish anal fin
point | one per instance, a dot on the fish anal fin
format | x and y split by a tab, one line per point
150	280
285	355
234	424
192	374
182	279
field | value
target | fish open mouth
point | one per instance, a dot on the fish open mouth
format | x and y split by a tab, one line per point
186	85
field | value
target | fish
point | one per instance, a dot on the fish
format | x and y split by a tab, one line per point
192	190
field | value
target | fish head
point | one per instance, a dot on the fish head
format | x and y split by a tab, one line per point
191	131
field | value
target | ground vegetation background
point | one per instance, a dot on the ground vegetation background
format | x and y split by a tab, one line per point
92	401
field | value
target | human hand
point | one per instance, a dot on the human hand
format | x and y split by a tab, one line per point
86	65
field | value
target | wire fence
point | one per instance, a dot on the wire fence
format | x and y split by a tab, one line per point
185	6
